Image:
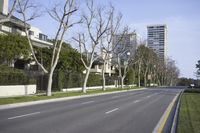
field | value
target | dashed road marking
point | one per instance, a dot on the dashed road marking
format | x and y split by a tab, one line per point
19	116
87	102
108	112
136	101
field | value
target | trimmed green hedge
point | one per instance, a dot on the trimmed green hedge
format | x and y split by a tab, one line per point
12	76
192	90
94	80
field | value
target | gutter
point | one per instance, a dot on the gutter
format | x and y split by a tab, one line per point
168	121
176	115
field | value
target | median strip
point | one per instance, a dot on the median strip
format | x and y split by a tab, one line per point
19	116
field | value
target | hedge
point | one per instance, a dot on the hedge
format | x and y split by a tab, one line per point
196	90
12	76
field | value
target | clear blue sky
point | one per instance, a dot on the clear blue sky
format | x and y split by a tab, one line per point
181	16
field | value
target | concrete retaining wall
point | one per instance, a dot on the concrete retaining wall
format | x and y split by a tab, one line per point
17	90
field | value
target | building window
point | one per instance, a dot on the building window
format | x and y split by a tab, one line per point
43	37
30	32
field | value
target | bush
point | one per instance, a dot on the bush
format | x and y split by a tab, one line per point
94	80
73	79
130	77
192	91
12	76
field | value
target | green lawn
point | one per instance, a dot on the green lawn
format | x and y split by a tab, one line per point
55	95
189	116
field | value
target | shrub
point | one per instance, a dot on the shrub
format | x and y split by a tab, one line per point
12	76
192	91
94	80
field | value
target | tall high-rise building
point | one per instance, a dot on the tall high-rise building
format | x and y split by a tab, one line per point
156	40
123	44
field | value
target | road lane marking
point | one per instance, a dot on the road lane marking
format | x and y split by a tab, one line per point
108	112
19	116
116	96
149	96
136	101
87	102
159	127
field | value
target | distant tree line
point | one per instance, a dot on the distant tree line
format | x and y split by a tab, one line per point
146	69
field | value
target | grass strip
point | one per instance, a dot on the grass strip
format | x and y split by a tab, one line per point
19	99
189	115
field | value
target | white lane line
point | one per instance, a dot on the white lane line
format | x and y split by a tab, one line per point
116	96
149	96
87	102
136	101
108	112
19	116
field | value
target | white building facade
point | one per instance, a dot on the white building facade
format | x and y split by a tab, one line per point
16	26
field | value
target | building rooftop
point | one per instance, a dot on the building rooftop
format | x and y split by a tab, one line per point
156	25
14	21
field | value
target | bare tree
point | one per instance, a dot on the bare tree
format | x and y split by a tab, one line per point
172	73
125	69
122	54
12	10
107	45
138	59
24	6
96	22
63	18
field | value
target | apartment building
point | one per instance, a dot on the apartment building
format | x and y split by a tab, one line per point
98	65
16	26
125	46
157	40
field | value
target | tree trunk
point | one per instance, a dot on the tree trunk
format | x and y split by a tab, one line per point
120	71
145	81
139	75
85	80
103	77
122	82
145	78
133	82
104	82
48	93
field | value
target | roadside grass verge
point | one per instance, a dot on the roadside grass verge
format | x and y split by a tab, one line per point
189	115
19	99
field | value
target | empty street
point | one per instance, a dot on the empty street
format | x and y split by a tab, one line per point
126	112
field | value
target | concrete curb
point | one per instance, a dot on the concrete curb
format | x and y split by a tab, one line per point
175	120
15	105
162	122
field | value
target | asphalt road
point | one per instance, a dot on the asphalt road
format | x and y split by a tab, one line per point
127	112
